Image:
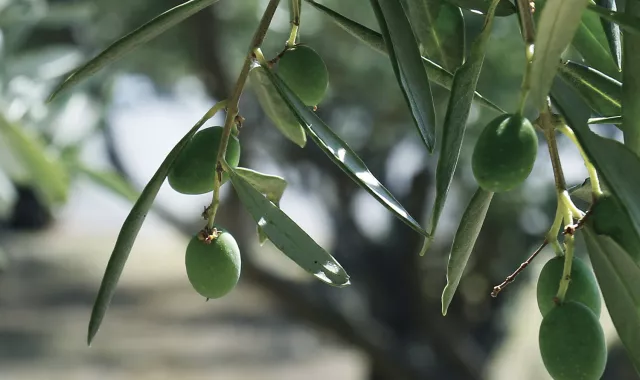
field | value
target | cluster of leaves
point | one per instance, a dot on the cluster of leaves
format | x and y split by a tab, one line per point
425	43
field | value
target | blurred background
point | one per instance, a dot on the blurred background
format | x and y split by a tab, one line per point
279	323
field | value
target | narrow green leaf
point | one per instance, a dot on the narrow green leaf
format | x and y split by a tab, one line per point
463	242
590	41
619	280
110	180
505	7
611	31
270	185
464	85
342	155
370	37
601	92
439	27
558	23
592	44
287	236
275	108
631	82
628	22
442	77
408	67
613	120
374	40
131	41
130	229
45	172
618	166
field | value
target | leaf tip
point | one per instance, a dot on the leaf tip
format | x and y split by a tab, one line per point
425	246
91	334
56	91
446	299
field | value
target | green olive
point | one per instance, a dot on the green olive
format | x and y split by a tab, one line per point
213	268
194	170
504	153
305	73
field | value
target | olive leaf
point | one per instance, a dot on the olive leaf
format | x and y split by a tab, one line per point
613	120
505	7
275	108
131	41
44	171
593	45
110	180
408	67
463	243
464	85
619	280
287	236
342	155
130	229
436	73
270	185
439	27
601	92
611	31
370	37
559	21
631	82
590	41
629	22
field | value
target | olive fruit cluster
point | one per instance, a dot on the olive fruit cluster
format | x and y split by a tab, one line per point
504	153
571	339
212	257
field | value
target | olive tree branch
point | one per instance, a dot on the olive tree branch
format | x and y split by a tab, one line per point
232	105
294	11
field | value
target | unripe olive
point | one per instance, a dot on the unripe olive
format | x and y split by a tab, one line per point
194	170
305	73
213	268
572	343
504	153
583	287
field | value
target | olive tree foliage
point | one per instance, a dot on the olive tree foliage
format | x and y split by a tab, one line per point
574	60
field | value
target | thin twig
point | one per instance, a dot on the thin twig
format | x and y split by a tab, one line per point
510	278
569	230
